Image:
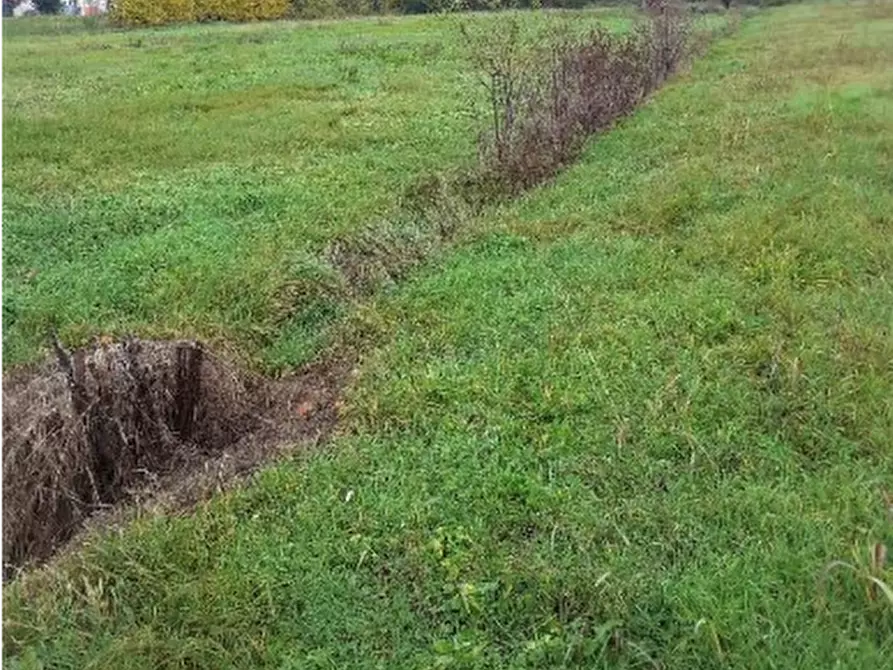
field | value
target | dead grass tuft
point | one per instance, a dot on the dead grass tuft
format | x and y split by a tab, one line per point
431	213
90	428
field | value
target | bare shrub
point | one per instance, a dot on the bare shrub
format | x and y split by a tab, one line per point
544	98
669	30
544	101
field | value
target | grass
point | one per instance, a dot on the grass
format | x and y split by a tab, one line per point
179	181
635	422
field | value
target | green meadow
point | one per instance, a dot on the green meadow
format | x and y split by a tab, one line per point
641	417
177	181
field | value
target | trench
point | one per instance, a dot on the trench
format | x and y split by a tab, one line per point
87	430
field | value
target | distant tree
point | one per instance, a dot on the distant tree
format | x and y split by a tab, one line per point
48	6
8	6
726	3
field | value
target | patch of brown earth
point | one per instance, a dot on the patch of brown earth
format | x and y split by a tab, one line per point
153	423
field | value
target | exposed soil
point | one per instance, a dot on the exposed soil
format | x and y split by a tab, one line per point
146	422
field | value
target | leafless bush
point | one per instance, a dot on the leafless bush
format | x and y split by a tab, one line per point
543	101
669	30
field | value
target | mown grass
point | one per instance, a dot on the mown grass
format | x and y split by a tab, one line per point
180	181
629	425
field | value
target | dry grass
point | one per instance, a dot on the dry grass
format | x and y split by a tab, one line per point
80	431
110	423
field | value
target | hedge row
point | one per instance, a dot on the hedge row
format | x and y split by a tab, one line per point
156	12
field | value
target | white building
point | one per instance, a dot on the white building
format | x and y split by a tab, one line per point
25	8
68	7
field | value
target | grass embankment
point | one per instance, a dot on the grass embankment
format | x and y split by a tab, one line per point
183	181
629	426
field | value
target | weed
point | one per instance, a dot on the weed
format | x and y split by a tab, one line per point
544	103
77	435
868	567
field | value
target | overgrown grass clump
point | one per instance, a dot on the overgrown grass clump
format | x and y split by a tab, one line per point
635	423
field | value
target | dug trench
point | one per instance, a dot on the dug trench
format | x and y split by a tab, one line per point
94	432
136	420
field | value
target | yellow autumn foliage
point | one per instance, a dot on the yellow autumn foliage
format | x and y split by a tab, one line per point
157	12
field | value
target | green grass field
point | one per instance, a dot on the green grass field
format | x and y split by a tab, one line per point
631	422
171	181
177	181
